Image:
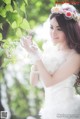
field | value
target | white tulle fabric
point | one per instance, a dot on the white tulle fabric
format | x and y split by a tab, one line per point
61	100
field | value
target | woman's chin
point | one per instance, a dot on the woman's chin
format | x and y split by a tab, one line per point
54	42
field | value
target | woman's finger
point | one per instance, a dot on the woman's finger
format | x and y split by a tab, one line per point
33	47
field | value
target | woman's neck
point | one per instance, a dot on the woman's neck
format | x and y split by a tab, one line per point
63	47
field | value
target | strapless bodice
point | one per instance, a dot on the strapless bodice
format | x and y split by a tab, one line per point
62	91
60	98
52	60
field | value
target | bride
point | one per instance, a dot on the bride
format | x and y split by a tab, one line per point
59	66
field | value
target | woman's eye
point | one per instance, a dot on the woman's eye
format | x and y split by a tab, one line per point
59	29
51	27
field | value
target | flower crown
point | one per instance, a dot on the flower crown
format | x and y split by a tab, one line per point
67	12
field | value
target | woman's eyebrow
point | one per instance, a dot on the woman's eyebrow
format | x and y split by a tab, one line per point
58	26
53	26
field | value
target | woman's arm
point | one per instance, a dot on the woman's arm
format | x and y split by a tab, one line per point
68	68
34	75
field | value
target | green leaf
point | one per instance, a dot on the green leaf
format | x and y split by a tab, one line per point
13	60
38	4
1	26
1	51
1	77
22	8
14	16
19	32
0	36
26	2
7	1
18	20
9	8
2	12
25	25
14	25
6	62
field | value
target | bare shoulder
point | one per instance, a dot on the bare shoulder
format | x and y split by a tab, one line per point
77	55
74	57
69	67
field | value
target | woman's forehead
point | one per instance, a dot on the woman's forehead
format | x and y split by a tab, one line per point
53	21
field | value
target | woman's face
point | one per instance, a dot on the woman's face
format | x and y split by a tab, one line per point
57	35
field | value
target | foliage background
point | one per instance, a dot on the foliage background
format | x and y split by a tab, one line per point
17	18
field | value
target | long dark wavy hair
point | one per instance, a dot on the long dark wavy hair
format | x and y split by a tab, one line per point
71	28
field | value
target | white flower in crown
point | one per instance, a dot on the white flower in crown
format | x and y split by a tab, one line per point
55	10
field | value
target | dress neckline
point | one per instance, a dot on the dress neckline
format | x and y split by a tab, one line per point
61	82
66	55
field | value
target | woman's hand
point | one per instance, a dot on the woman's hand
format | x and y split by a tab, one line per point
26	42
31	48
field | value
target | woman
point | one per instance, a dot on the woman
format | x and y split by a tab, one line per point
59	67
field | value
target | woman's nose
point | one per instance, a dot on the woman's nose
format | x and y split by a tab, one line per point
54	32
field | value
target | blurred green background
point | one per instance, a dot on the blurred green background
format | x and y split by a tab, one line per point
17	18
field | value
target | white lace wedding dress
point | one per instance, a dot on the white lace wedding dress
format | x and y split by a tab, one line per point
61	100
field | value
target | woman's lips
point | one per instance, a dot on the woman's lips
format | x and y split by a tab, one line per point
55	38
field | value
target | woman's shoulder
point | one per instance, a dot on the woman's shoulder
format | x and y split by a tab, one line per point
74	57
77	55
74	54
